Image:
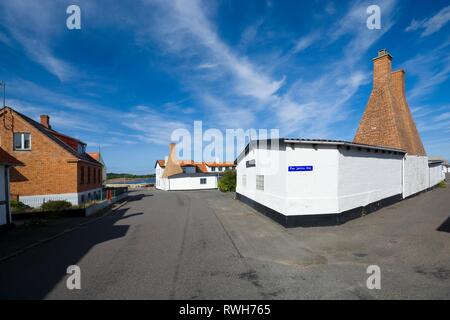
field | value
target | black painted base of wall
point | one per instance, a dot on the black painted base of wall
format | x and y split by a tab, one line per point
318	220
8	226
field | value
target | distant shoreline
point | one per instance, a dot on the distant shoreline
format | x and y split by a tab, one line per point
130	180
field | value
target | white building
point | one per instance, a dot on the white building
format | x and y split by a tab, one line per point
188	174
6	162
301	182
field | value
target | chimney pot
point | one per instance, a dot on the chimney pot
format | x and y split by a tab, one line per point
45	121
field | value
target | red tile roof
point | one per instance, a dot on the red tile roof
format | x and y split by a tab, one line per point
200	165
95	155
220	164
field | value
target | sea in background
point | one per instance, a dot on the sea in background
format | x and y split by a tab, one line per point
136	181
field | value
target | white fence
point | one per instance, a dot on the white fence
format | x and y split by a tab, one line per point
419	175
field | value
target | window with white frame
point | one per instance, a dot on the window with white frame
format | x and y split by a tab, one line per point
244	180
213	169
202	180
260	182
22	141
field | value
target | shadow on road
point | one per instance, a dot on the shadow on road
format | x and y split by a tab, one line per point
33	274
138	197
445	227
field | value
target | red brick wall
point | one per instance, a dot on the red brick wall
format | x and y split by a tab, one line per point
49	168
92	183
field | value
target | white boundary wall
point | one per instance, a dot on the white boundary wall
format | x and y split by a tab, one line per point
436	173
74	198
415	175
365	177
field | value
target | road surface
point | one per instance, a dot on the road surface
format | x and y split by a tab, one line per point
206	245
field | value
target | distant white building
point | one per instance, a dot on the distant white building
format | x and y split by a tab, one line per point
171	175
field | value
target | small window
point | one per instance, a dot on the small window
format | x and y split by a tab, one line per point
89	175
220	168
244	180
260	182
202	180
22	141
82	175
213	169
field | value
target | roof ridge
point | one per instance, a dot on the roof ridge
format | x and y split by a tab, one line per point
47	132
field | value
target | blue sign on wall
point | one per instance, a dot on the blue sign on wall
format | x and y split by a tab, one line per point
300	168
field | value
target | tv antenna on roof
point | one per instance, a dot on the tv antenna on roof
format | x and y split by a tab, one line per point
3	85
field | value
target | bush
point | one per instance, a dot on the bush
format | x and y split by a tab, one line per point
228	182
35	222
59	205
18	206
442	184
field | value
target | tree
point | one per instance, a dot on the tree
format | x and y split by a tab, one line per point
228	182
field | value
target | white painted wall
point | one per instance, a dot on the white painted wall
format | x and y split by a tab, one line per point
436	173
159	181
292	193
3	209
366	177
75	198
192	183
416	175
341	179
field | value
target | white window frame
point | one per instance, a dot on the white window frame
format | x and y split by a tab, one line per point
22	141
203	179
260	182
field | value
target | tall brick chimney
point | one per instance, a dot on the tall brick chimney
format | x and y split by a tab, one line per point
172	166
387	120
45	121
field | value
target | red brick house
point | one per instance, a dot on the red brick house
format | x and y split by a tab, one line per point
56	166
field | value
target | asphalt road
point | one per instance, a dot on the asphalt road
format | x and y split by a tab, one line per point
205	245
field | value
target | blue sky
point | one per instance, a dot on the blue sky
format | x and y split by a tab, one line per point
137	70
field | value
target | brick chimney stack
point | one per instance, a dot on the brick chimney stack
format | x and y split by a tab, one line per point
382	67
387	120
45	121
172	166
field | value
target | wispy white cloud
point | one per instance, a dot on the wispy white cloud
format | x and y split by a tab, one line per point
431	25
430	70
32	24
186	27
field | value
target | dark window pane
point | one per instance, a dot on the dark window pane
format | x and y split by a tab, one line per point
26	141
17	141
